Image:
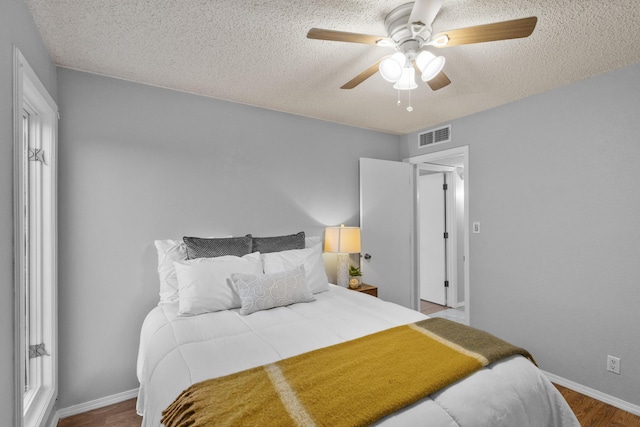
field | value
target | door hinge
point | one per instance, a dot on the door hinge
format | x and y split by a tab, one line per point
445	187
446	283
446	235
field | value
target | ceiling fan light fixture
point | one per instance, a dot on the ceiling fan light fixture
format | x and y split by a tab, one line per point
391	68
433	69
429	64
408	79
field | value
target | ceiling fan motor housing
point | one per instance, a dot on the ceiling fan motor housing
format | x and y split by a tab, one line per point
398	28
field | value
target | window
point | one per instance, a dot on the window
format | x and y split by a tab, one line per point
35	133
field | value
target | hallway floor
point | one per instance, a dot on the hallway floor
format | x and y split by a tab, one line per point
436	310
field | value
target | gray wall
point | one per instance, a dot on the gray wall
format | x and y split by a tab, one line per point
16	28
554	181
139	163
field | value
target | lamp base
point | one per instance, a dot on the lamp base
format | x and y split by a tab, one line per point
342	270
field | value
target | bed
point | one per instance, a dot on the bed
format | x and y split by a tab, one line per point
178	350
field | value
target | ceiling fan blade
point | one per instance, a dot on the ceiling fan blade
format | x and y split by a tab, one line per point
515	29
343	36
363	75
439	81
424	11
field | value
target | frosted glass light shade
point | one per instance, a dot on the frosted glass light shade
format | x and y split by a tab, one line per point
408	79
391	68
424	58
429	64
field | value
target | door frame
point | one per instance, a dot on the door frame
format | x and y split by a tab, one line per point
451	299
433	157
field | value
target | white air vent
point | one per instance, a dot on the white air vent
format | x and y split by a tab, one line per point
435	136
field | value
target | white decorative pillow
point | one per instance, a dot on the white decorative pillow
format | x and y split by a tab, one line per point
168	252
265	291
204	285
312	260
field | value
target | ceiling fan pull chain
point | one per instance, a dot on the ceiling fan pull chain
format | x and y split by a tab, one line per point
398	104
409	108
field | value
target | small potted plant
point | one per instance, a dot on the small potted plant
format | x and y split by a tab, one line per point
355	277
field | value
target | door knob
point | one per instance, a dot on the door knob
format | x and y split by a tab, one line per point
367	257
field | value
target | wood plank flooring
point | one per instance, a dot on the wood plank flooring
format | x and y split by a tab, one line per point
590	413
121	414
593	413
428	308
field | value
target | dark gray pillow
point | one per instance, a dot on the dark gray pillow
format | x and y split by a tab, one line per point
198	247
265	245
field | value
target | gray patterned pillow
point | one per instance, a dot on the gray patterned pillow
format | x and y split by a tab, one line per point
198	247
271	290
265	245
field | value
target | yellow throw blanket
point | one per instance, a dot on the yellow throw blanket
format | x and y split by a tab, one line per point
349	384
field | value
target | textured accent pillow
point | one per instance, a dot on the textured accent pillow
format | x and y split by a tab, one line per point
278	243
265	291
204	285
198	247
312	260
168	252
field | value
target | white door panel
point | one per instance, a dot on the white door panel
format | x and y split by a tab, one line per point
432	228
386	222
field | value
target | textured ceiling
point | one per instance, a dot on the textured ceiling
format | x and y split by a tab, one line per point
257	52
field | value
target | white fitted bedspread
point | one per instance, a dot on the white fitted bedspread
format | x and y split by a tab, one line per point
176	352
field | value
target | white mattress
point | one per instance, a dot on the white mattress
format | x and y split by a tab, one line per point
176	352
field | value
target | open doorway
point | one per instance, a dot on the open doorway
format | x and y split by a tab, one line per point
444	258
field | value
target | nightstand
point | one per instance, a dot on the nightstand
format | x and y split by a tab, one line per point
367	289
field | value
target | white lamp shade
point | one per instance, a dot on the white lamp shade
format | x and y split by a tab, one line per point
423	59
429	64
342	239
391	68
408	79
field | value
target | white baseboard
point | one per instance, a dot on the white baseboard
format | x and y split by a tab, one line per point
93	404
598	395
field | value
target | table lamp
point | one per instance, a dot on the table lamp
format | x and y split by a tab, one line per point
343	241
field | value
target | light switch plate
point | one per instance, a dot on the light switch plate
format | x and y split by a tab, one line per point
476	227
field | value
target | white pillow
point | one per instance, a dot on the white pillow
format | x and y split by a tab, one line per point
312	260
168	252
311	241
265	291
204	286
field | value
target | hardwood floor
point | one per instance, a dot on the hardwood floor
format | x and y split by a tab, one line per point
121	414
590	413
428	308
593	413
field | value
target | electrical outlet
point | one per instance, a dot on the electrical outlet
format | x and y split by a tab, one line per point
613	364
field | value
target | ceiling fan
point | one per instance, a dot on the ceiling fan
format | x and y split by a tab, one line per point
409	29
